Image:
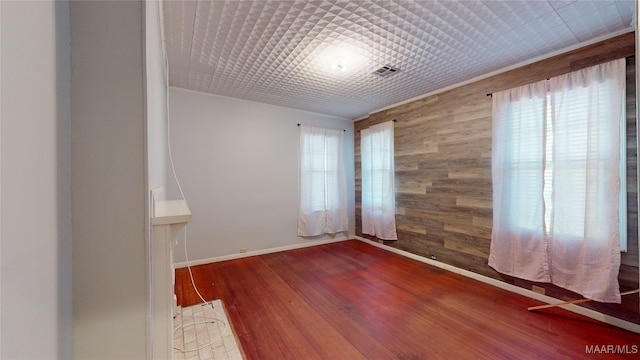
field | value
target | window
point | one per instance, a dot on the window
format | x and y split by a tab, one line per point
323	205
378	181
558	181
574	152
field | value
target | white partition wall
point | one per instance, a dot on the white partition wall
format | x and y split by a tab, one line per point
109	180
35	181
156	155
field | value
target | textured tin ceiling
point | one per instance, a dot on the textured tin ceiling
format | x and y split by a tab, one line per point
287	53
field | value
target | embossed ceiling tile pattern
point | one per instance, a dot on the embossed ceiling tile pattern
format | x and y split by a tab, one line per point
285	52
625	9
586	19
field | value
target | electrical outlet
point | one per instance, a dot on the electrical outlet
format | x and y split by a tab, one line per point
243	250
157	194
537	289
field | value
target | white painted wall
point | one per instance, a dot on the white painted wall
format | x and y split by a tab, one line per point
35	181
156	97
109	180
0	181
156	158
237	162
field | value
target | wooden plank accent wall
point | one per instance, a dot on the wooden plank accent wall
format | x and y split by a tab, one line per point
629	260
443	164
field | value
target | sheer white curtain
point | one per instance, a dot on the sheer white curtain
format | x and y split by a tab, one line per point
556	181
378	181
587	112
517	246
323	200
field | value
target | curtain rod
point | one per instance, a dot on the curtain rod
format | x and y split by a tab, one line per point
342	129
394	120
626	58
491	94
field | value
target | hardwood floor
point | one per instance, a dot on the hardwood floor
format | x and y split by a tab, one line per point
351	300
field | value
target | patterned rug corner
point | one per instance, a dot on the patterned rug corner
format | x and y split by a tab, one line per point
204	332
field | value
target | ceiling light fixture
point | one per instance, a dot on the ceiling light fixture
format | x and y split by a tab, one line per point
340	59
340	64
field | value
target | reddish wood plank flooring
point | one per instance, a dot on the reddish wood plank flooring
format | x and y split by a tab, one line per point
350	300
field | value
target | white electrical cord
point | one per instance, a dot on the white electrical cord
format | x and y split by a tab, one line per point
175	176
165	60
204	302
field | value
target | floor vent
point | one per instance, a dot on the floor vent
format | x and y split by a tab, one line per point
385	71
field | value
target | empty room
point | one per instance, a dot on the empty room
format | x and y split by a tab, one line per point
254	84
321	179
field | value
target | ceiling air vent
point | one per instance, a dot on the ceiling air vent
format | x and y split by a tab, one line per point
385	71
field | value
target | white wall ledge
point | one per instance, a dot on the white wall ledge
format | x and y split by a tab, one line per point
170	212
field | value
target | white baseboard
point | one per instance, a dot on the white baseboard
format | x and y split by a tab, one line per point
512	288
259	252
